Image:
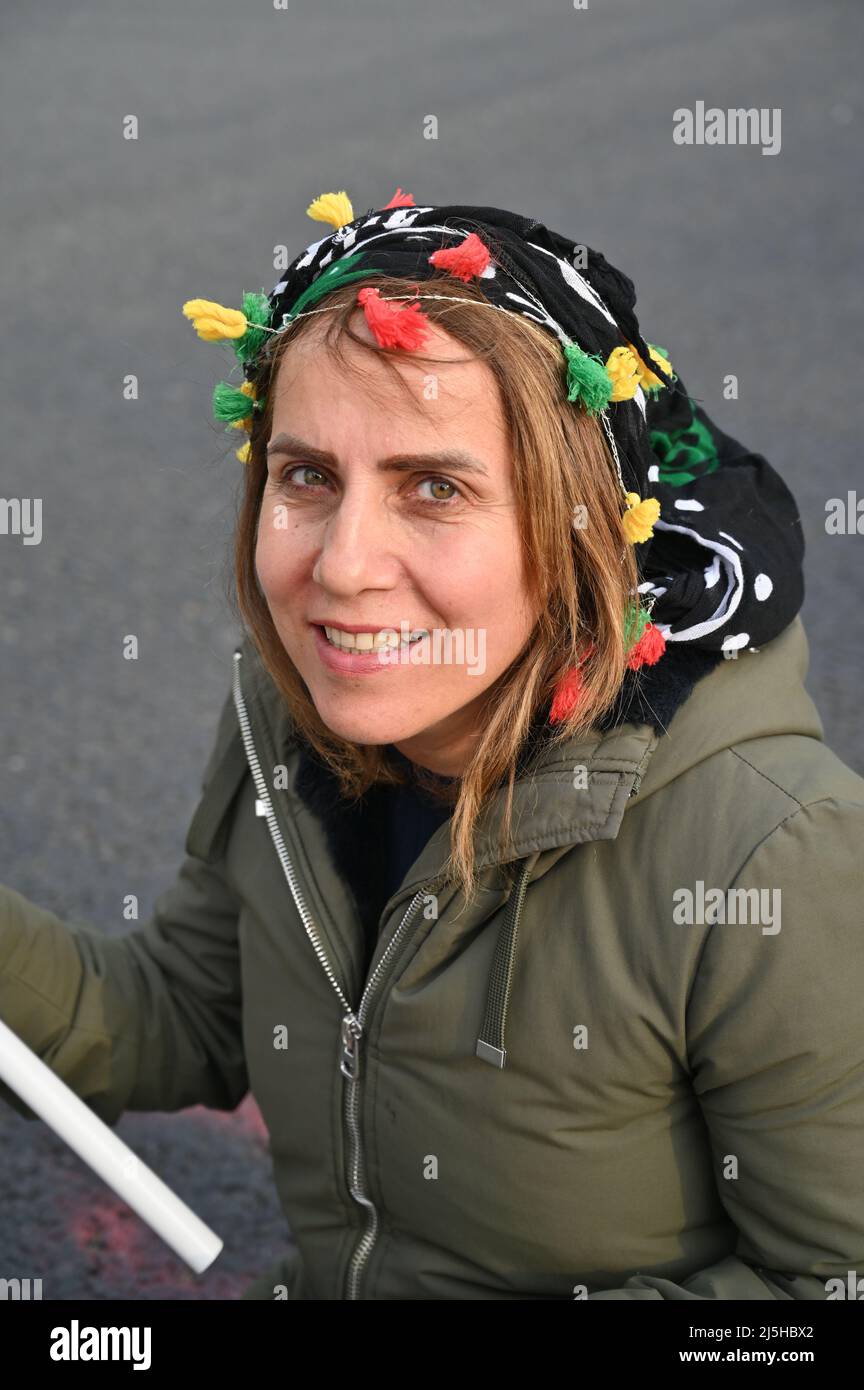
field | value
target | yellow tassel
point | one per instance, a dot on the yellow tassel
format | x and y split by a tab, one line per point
639	518
623	368
213	322
243	452
648	379
334	208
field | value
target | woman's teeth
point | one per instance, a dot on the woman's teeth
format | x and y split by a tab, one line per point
370	641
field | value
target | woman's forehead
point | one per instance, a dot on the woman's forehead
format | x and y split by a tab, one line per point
456	373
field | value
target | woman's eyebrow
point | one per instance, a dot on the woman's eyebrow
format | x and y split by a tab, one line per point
456	460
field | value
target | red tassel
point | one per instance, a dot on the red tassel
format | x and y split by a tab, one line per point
567	694
568	691
469	258
649	648
394	325
400	200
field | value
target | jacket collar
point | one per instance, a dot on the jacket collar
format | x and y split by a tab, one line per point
573	793
580	790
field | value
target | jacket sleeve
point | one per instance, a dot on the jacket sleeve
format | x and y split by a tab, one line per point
150	1020
775	1029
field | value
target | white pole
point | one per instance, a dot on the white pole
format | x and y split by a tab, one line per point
105	1152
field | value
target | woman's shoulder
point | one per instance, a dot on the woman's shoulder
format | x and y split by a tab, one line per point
752	729
742	758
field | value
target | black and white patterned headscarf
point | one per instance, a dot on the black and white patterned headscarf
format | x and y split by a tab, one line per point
722	570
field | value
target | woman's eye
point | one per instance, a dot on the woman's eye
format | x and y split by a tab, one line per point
305	477
286	478
436	499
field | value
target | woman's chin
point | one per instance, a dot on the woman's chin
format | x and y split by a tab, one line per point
364	726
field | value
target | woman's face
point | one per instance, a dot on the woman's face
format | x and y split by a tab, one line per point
382	513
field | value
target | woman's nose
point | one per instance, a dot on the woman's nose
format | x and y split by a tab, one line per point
357	544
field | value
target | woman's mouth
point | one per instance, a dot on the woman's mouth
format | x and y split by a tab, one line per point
362	653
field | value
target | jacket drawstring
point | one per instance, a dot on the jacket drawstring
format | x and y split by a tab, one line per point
490	1044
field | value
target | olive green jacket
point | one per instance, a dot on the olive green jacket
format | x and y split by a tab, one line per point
573	1087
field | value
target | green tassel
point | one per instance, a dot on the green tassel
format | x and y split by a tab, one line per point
256	307
338	273
635	620
229	404
587	379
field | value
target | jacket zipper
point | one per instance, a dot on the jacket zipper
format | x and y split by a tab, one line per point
352	1023
288	868
352	1031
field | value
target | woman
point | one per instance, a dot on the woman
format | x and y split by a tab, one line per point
528	917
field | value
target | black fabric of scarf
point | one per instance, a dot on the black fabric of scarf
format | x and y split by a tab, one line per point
724	567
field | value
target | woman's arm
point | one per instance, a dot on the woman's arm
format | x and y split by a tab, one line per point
146	1021
775	1026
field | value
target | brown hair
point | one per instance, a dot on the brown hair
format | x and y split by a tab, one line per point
583	575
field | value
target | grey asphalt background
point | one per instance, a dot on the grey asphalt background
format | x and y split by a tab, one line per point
745	264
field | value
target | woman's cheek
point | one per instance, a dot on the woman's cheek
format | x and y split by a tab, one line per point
275	560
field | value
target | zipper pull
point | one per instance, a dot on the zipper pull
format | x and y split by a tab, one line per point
350	1061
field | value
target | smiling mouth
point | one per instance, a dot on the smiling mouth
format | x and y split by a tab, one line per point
363	643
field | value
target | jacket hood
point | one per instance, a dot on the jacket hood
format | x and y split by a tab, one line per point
579	791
